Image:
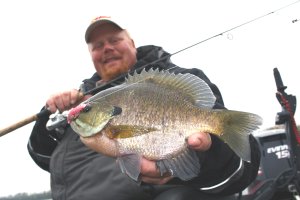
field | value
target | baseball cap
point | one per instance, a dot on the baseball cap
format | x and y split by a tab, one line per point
97	22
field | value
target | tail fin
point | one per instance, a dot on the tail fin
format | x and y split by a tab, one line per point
237	128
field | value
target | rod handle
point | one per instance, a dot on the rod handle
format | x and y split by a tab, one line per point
23	122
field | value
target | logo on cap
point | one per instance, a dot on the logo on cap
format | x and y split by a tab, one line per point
99	18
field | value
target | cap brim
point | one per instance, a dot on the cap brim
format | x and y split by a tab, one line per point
96	24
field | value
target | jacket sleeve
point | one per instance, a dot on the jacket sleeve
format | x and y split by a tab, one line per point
223	172
41	143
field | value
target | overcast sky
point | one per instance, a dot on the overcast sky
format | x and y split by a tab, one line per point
43	51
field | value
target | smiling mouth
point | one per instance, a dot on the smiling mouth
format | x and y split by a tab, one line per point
110	60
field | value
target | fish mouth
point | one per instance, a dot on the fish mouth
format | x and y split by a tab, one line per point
74	112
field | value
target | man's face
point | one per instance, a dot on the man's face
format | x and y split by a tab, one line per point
112	50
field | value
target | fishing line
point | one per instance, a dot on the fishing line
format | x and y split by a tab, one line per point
236	27
105	86
122	88
101	97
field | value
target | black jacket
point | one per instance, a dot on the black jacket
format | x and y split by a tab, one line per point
79	173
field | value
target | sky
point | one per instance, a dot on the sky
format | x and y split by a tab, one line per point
43	52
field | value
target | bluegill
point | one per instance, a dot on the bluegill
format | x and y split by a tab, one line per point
151	115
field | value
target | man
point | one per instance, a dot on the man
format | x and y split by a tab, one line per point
80	173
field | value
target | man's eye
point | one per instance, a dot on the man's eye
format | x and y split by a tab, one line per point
114	40
99	45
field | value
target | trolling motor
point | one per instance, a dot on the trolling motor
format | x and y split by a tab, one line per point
279	176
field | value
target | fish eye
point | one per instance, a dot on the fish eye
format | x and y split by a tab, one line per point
87	108
116	111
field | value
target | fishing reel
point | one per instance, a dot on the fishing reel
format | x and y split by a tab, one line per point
57	121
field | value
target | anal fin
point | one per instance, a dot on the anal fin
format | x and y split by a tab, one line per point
185	166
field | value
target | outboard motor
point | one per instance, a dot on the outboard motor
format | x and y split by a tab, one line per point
279	174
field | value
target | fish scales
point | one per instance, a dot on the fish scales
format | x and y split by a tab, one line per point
173	124
152	114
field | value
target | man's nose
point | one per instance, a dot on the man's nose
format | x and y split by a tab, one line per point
108	46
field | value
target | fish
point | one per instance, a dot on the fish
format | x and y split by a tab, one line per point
151	115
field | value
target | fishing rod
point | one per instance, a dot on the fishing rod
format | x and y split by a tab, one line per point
46	112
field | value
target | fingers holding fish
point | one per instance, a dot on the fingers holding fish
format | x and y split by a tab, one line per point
151	174
200	141
156	181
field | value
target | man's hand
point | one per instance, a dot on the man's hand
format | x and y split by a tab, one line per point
199	141
151	174
65	100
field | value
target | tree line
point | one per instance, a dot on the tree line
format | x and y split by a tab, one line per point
25	196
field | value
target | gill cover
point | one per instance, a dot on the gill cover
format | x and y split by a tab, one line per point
93	119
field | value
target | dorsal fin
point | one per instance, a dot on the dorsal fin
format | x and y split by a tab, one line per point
188	84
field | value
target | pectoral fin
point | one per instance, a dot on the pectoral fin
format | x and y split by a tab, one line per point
127	131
